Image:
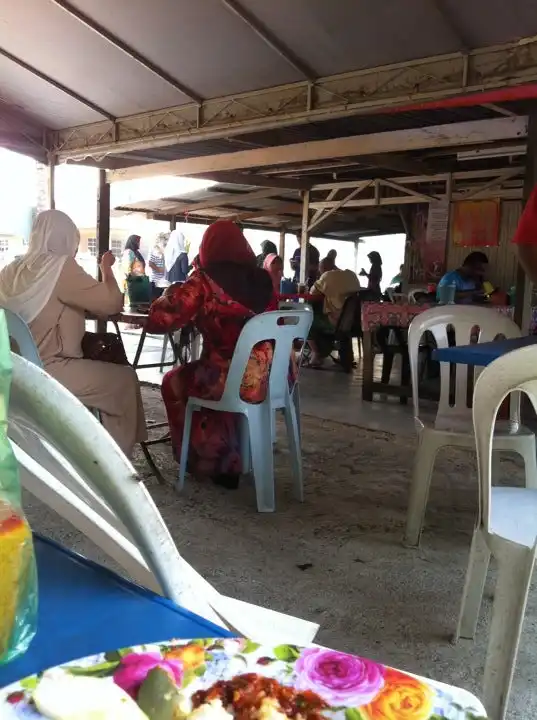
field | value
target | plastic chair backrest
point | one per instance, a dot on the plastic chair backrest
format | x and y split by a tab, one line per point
412	299
513	371
281	326
463	320
20	333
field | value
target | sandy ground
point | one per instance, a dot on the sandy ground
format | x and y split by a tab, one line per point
337	559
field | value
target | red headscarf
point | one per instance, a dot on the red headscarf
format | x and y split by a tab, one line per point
526	232
227	258
224	242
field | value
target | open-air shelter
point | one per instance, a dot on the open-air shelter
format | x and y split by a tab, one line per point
311	116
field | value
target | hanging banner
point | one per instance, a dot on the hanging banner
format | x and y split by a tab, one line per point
429	240
476	223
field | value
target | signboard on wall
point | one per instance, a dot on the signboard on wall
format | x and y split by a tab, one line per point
476	223
429	241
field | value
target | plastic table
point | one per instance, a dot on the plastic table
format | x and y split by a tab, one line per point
85	609
481	354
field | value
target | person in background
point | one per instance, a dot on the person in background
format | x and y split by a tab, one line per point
312	266
332	288
332	255
176	258
468	278
397	280
267	248
219	298
374	276
132	262
52	293
157	269
525	237
273	264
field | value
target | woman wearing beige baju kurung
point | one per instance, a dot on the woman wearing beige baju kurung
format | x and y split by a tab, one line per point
49	290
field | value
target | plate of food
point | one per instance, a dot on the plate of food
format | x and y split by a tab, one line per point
222	679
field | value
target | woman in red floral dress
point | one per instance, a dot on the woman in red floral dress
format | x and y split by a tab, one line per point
225	291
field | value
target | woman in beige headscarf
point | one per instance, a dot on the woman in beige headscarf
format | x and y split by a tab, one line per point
51	292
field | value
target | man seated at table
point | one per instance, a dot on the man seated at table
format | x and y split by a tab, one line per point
468	279
328	296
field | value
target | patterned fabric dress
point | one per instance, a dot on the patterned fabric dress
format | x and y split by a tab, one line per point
214	440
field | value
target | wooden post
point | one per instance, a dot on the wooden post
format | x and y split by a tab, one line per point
51	182
173	223
281	249
103	228
356	243
304	236
524	288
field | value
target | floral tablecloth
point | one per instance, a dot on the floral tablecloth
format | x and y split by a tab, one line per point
377	314
350	687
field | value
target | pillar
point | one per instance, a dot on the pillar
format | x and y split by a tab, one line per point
524	288
103	227
51	182
356	243
281	249
304	235
173	223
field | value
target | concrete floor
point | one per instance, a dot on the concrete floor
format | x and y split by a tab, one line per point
344	392
370	595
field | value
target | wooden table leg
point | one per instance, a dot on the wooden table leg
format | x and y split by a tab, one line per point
367	366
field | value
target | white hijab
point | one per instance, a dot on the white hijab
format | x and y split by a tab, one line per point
27	283
174	248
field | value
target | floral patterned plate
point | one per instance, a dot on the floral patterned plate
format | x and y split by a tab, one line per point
353	687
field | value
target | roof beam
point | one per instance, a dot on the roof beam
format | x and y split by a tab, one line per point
127	49
337	206
294	209
270	39
451	135
417	179
499	109
400	163
51	81
456	80
509	193
407	191
258	180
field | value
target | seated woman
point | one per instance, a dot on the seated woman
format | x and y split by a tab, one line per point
332	288
222	293
51	292
273	264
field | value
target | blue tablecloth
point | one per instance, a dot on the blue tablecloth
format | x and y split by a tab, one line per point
481	353
85	609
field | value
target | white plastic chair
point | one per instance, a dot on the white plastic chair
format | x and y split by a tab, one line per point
412	295
453	423
284	327
70	463
506	528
